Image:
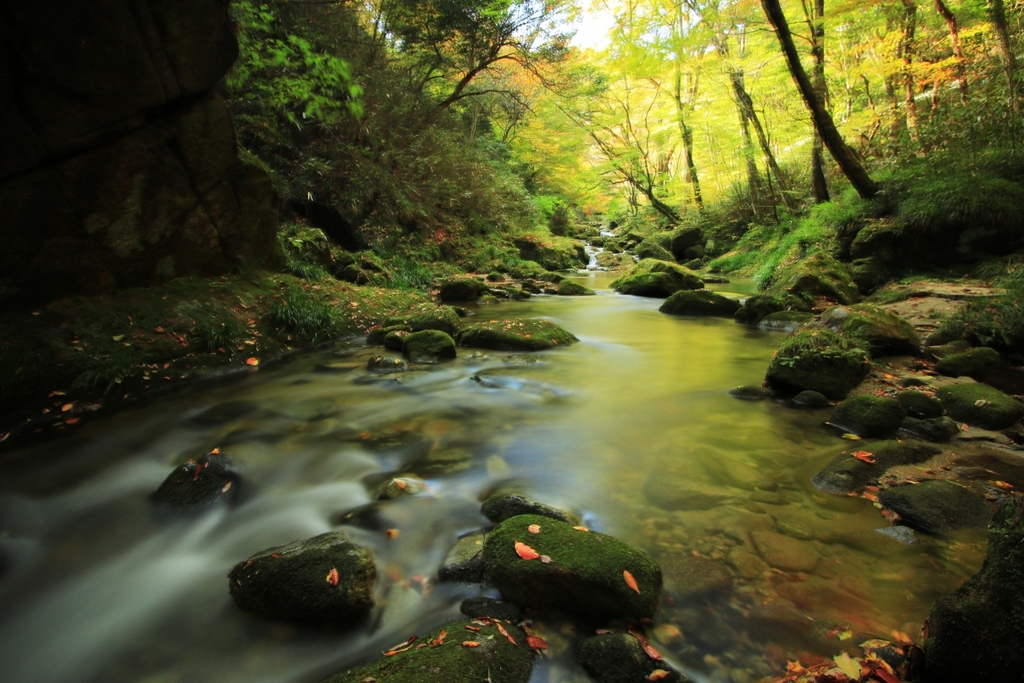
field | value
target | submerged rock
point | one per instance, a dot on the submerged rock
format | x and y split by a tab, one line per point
976	363
884	333
442	655
977	632
586	573
199	483
701	302
694	577
519	334
326	578
675	492
502	506
429	346
979	405
937	507
820	361
751	392
620	658
465	561
384	364
784	552
569	288
846	474
871	416
399	487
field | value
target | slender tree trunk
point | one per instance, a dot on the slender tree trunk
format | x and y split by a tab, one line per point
819	183
747	105
687	134
997	14
954	38
852	166
907	55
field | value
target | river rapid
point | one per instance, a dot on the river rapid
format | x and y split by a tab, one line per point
97	587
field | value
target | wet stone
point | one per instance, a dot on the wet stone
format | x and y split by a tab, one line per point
811	399
199	484
694	577
747	564
920	405
980	405
903	534
384	364
489	607
870	416
937	507
676	492
937	429
845	473
501	506
619	658
751	392
784	552
465	562
398	487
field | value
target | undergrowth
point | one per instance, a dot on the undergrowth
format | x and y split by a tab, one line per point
308	316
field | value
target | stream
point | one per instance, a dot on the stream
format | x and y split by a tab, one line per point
97	587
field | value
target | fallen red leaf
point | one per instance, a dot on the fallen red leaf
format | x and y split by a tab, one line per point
536	642
630	581
526	552
436	642
503	632
647	647
252	361
884	676
471	628
332	577
581	528
864	456
658	674
533	528
470	643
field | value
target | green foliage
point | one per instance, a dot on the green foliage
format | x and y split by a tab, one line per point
213	325
307	315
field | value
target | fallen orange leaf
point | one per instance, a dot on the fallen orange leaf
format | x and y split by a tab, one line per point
536	642
252	361
470	643
332	577
503	632
630	581
581	528
526	552
533	528
658	674
647	647
864	456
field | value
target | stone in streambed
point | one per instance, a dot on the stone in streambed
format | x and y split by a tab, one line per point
501	506
619	658
818	360
870	416
461	289
399	487
846	474
694	577
489	607
585	575
324	578
936	429
199	484
784	321
784	552
920	405
446	658
977	632
569	288
655	278
979	405
700	302
526	334
676	492
884	333
976	363
384	364
429	346
395	340
465	561
937	507
428	317
811	399
751	392
759	306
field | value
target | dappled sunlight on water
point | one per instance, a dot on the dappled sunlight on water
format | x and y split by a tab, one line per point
632	427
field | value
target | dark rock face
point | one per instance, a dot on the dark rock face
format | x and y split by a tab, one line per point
461	288
751	392
619	658
501	506
937	507
326	578
977	632
759	306
199	484
465	561
120	166
820	361
811	399
937	429
585	571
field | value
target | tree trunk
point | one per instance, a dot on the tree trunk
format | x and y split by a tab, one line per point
753	177
747	105
907	55
851	165
997	14
687	134
819	183
954	38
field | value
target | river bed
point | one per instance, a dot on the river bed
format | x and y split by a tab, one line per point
97	587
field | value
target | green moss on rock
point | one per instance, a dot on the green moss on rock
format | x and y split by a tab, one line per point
428	317
585	574
883	332
980	405
701	302
447	660
619	658
819	275
937	507
569	288
461	289
919	405
871	416
656	278
518	334
818	360
429	346
758	307
976	363
395	340
650	248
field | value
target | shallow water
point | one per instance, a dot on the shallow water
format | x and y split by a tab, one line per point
98	588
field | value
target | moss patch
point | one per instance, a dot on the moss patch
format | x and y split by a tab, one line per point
846	474
980	405
819	275
871	416
569	288
428	317
428	346
518	334
818	360
883	332
700	302
974	363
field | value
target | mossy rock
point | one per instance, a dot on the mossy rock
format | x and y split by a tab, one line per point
685	239
608	260
919	405
785	321
757	307
977	632
306	244
427	317
569	288
655	278
395	341
868	274
700	302
651	249
819	275
976	363
937	429
937	507
751	392
495	276
386	364
429	346
324	578
461	288
488	300
980	405
199	484
871	416
465	561
619	658
847	474
482	606
501	506
446	659
818	360
811	399
375	337
885	334
586	574
519	334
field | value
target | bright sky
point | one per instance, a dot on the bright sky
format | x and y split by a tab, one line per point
592	32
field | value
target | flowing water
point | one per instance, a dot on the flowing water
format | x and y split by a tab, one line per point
96	587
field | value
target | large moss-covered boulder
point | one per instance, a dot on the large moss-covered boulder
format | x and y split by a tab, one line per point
819	275
683	241
518	334
553	254
937	507
759	306
819	360
324	578
620	658
866	415
427	317
461	289
199	484
847	474
569	288
883	332
501	506
976	363
700	302
453	654
654	278
977	632
980	405
429	346
541	562
650	248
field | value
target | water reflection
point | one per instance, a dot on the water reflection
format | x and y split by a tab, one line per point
632	427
